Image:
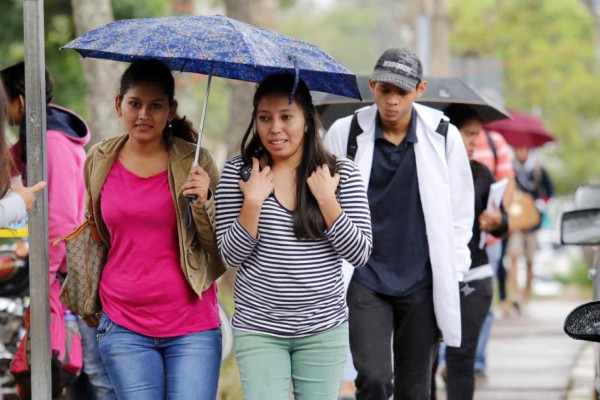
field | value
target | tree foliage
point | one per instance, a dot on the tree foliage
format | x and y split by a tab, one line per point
549	69
346	32
547	48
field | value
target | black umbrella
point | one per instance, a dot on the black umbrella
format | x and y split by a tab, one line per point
440	93
331	106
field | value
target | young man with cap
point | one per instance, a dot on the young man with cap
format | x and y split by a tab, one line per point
420	188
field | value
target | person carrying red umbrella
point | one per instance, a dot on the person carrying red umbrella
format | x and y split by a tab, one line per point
524	133
531	178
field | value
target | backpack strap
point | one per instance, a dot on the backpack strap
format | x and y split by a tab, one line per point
442	129
538	177
493	149
355	130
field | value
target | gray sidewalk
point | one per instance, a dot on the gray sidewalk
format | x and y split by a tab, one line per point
530	357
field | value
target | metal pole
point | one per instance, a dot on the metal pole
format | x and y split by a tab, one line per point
35	88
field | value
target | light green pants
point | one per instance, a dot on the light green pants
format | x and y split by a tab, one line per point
313	364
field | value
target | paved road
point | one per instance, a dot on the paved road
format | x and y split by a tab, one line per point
530	357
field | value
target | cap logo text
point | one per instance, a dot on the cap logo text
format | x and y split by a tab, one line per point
396	65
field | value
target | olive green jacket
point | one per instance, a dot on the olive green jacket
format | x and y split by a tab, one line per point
199	257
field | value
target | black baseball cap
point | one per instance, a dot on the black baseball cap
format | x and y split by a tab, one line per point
399	67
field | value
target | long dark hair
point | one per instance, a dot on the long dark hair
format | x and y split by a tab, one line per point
307	218
156	73
5	157
13	78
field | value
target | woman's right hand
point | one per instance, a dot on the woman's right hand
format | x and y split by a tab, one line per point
260	185
490	220
28	193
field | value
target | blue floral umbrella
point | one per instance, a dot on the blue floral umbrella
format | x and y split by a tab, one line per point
217	46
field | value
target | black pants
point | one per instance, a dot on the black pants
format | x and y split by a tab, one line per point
501	271
374	319
474	306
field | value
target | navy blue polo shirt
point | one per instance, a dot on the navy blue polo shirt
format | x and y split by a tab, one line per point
399	264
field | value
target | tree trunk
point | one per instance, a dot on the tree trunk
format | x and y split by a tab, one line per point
440	46
431	35
101	76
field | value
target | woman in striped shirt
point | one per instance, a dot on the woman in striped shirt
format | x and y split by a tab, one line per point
287	228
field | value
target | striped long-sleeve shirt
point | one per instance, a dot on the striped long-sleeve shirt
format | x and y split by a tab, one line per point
285	286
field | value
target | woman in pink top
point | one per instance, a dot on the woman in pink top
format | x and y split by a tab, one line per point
159	333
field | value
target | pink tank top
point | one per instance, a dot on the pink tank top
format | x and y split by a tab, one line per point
143	287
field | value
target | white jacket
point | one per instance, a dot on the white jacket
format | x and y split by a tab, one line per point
447	196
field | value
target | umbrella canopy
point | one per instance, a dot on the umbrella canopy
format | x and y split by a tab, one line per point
331	107
217	46
522	130
440	93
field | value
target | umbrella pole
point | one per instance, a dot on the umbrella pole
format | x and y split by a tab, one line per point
192	197
201	128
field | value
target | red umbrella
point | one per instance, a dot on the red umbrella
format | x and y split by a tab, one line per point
521	130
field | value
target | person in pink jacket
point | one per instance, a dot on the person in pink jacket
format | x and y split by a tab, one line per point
67	134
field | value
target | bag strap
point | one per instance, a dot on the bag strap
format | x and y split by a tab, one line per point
493	149
89	217
442	129
538	176
73	234
89	221
355	130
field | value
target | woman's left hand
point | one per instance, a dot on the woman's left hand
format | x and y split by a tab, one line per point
322	185
198	184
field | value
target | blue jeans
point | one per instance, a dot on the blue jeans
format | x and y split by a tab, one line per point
147	368
484	335
92	364
494	253
349	370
